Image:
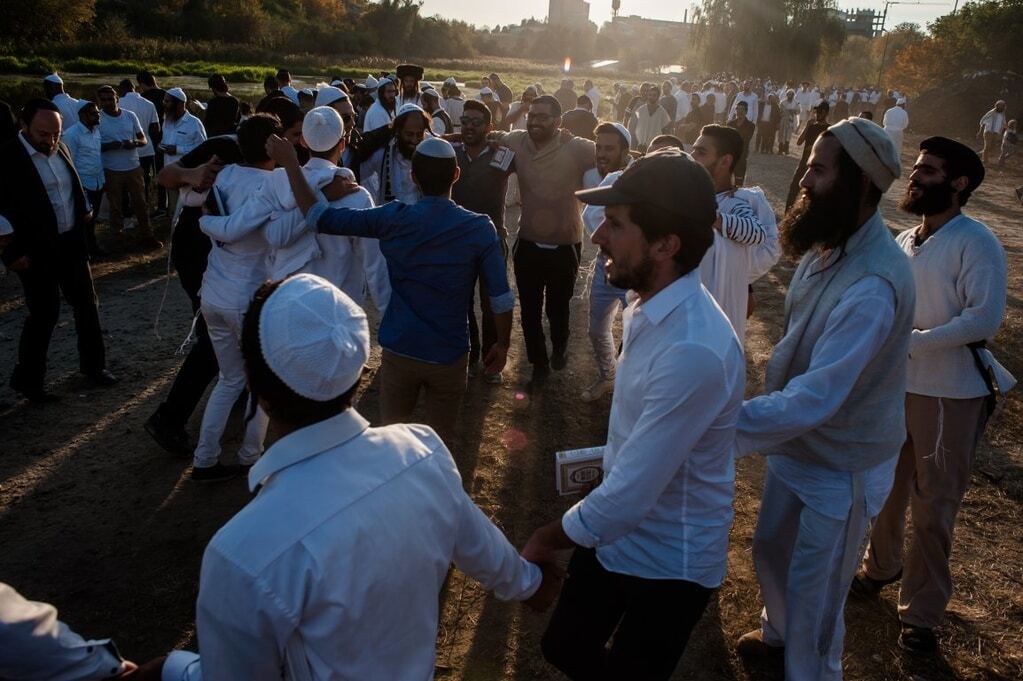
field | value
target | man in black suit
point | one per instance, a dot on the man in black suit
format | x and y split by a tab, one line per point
46	207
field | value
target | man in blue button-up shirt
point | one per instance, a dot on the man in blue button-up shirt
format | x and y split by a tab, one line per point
435	251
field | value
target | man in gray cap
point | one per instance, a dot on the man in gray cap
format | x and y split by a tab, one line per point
831	422
960	302
651	540
333	570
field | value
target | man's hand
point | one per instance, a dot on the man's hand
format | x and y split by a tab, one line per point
281	151
19	265
566	135
202	177
150	671
339	187
496	358
546	541
550	587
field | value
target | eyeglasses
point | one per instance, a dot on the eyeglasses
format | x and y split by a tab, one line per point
472	120
538	117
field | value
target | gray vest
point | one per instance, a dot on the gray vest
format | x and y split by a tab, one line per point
869	428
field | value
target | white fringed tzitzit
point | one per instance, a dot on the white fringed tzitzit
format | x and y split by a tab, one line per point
588	270
939	448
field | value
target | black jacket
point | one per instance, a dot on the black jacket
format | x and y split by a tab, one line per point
25	204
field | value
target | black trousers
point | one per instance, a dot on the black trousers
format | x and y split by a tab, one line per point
66	273
190	250
546	280
161	193
95	199
478	348
651	620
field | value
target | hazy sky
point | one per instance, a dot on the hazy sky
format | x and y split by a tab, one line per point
490	13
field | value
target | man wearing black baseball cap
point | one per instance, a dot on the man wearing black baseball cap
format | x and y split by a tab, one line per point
960	272
651	539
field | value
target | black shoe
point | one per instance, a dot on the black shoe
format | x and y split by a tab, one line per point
918	639
867	587
559	360
539	378
102	378
38	395
216	473
174	439
150	243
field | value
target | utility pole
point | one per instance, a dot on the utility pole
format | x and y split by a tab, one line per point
884	18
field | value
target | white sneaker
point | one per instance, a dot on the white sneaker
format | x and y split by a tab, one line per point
598	389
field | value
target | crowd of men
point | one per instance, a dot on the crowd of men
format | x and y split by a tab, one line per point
288	215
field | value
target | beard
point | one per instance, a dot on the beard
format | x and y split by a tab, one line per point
823	219
635	278
539	133
933	199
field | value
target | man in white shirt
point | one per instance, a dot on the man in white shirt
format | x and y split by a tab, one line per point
122	136
440	123
149	119
745	238
831	422
991	126
960	273
651	539
182	132
752	103
84	141
334	569
611	155
650	119
53	88
895	121
387	174
285	86
384	109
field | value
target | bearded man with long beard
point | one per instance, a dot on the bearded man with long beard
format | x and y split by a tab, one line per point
831	423
960	272
387	174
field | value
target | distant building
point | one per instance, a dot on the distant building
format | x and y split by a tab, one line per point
572	13
862	22
632	28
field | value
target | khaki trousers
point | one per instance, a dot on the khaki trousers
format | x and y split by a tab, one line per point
400	381
992	142
133	182
932	477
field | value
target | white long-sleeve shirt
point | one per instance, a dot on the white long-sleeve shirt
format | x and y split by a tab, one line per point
376	117
68	106
993	122
333	570
664	508
961	280
57	180
752	103
237	262
35	645
184	134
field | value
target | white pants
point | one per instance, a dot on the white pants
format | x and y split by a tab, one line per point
225	328
798	554
604	299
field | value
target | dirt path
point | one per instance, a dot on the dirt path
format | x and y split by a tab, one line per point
96	518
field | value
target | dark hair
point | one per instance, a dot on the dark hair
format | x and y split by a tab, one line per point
743	104
957	163
657	223
434	175
665	141
583	100
146	78
270	82
217	83
284	74
726	141
282	403
253	134
551	101
124	87
34	106
399	121
106	88
287	112
476	105
611	128
245	108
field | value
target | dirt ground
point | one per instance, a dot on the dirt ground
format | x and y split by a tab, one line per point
97	519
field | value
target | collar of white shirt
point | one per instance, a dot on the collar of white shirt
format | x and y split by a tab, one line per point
32	151
306	443
670	297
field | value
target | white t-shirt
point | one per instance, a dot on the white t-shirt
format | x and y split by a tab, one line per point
147	115
118	129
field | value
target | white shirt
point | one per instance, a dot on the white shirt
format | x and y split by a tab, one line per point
147	114
68	106
752	102
57	179
455	106
437	125
120	128
290	92
185	134
334	569
376	117
594	215
34	644
664	508
237	261
594	94
683	104
896	119
993	121
961	279
520	122
765	113
85	147
649	125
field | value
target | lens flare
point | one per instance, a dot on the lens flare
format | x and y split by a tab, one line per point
568	64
